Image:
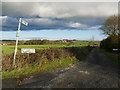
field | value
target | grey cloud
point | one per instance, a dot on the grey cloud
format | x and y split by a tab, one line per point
59	10
10	23
56	15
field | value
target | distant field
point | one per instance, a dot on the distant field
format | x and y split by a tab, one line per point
8	49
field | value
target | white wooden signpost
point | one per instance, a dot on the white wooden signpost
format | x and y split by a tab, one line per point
17	36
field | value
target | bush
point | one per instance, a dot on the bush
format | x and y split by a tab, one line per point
44	56
109	43
41	42
39	57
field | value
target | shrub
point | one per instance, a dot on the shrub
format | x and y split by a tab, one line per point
109	43
43	56
39	57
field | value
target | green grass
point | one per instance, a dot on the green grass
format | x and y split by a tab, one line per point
112	55
49	65
32	68
83	43
8	49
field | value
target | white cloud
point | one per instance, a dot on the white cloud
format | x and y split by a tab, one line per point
60	10
8	20
94	27
2	19
76	25
57	15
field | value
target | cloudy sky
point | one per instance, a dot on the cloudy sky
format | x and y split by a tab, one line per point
56	16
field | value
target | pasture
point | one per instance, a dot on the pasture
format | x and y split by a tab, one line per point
46	58
9	49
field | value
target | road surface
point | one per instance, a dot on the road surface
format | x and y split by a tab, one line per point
96	71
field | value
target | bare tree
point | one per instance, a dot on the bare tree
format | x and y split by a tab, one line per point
110	27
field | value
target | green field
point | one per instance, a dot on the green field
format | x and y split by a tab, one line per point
8	49
46	58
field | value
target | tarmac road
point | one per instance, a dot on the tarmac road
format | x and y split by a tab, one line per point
96	71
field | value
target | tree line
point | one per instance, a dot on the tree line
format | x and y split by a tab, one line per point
112	30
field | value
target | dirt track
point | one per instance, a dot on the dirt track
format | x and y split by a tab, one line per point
96	71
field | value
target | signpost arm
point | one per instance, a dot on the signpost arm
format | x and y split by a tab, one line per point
17	36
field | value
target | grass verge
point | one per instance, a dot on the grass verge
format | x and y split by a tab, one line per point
42	61
112	55
35	68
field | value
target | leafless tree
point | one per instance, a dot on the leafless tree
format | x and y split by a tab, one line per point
110	27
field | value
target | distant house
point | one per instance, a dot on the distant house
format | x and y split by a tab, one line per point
3	44
64	40
74	40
